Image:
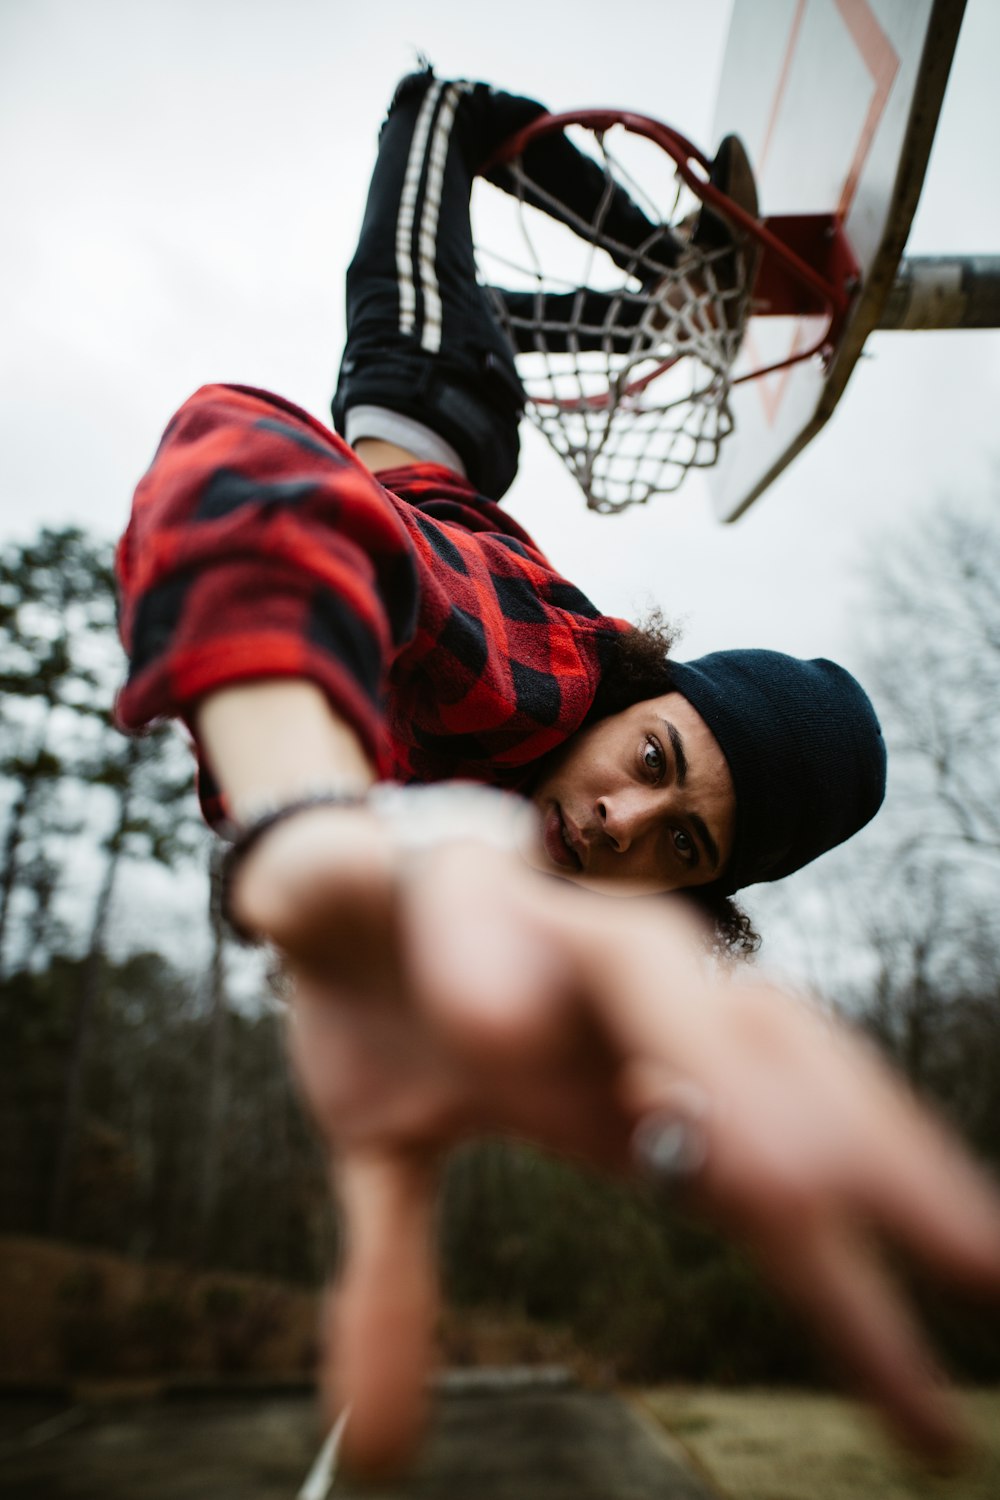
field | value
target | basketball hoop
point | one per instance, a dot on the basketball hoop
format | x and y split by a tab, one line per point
626	321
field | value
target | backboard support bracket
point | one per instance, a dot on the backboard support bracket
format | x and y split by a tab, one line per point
819	242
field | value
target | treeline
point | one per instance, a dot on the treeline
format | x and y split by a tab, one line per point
146	1103
190	1146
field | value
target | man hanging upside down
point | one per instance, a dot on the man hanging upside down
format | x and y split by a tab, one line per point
326	613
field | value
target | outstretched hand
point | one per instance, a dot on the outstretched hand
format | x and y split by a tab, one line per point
459	994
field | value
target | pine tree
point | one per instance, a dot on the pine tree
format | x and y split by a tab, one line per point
58	650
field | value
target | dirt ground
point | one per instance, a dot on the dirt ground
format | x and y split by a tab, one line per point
791	1445
488	1444
501	1444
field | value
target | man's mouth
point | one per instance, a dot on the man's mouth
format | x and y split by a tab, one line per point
558	841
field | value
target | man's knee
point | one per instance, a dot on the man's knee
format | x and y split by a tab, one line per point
477	414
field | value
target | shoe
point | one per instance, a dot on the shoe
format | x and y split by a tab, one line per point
711	240
735	271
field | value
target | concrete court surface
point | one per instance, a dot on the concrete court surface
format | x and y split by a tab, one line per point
495	1444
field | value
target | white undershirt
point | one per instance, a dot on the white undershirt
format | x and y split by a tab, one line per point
381	424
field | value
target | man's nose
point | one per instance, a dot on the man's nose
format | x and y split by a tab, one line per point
625	816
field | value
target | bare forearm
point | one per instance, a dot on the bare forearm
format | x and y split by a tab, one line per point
272	741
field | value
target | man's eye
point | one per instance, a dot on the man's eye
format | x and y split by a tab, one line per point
652	757
684	846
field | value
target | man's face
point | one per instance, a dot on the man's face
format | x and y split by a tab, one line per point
643	799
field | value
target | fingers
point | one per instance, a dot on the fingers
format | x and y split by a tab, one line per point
381	1318
829	1274
806	1138
925	1191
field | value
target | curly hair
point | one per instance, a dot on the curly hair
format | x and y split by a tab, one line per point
637	666
731	933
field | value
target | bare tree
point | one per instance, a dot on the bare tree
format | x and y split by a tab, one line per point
217	1071
153	820
933	650
901	924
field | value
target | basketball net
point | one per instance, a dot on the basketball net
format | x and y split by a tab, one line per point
625	360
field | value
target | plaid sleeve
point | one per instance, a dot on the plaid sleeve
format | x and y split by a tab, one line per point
259	547
507	656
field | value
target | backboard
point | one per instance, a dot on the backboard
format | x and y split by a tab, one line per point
837	103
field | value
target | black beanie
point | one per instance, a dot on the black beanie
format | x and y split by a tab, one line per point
804	748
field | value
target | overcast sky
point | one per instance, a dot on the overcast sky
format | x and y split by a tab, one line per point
182	181
181	184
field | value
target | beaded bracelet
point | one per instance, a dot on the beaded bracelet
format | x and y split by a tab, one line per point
251	834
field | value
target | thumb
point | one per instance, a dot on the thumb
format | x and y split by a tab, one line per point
381	1317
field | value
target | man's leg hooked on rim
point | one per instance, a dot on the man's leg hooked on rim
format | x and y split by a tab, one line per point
427	366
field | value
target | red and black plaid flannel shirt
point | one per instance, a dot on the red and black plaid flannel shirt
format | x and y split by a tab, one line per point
260	547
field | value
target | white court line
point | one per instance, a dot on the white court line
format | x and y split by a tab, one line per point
323	1472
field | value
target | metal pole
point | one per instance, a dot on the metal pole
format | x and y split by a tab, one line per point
944	291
